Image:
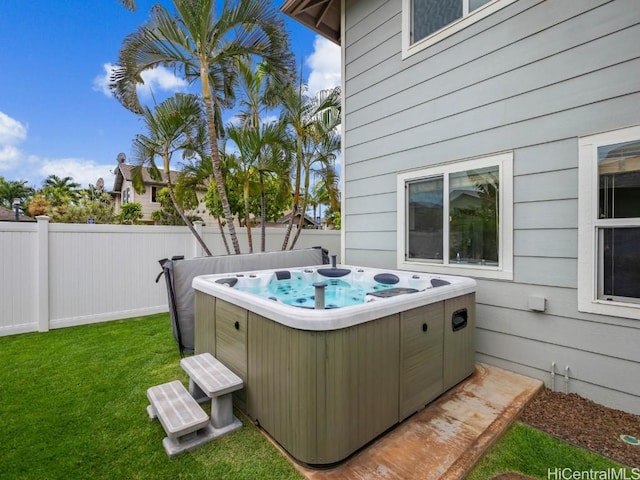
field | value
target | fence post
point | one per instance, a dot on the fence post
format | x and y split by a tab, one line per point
197	248
43	273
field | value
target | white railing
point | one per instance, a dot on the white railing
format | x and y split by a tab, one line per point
58	275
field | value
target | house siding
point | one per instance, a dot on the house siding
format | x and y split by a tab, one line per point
530	78
148	206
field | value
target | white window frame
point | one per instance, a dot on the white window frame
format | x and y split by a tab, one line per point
588	223
468	18
504	269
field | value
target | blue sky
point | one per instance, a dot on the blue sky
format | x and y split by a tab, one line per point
56	117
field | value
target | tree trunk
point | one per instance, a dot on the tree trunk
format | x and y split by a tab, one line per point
247	220
215	155
263	213
184	218
303	209
315	211
224	237
296	192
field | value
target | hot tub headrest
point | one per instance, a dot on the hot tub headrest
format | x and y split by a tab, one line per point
283	275
333	272
386	278
436	282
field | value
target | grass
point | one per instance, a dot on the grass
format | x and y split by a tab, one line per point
72	405
531	452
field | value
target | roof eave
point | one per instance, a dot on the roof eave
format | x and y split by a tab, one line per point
321	16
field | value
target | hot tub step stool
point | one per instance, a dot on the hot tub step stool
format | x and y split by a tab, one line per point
211	379
186	424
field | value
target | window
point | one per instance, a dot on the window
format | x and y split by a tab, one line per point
609	228
426	22
126	195
154	194
457	218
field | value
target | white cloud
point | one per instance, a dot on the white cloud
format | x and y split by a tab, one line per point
162	79
235	120
84	172
158	79
11	130
269	119
18	164
101	82
9	157
325	64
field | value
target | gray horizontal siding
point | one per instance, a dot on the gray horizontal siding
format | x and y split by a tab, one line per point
371	204
370	32
380	240
550	106
365	16
561	302
609	372
531	79
557	272
535	187
532	215
561	243
382	158
561	155
378	183
507	46
605	396
570	82
612	341
371	257
372	222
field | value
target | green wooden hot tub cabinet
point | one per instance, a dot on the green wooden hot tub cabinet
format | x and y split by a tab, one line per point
322	395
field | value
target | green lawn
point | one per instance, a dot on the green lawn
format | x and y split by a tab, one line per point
533	453
73	405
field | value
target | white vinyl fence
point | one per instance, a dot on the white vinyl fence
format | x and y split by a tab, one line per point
59	275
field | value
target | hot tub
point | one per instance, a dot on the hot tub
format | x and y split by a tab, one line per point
323	382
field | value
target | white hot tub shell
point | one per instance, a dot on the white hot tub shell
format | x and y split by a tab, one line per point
325	382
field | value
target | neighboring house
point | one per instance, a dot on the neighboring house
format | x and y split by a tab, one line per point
286	219
8	215
123	192
528	112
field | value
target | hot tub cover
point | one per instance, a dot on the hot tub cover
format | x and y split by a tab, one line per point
179	275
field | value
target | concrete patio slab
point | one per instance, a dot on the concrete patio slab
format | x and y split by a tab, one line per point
446	439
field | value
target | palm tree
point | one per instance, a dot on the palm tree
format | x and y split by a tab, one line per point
253	142
318	196
175	125
202	47
60	191
312	123
128	4
12	189
198	173
275	163
258	93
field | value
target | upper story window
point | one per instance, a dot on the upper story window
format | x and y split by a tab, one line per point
126	195
426	22
457	218
609	228
154	194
